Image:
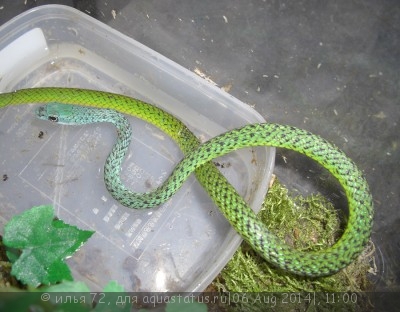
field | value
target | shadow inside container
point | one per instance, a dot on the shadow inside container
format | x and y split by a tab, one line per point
304	176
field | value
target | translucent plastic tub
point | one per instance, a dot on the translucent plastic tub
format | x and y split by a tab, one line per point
179	246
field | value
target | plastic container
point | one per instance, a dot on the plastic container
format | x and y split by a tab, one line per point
179	246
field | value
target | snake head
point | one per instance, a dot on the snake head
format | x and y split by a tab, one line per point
55	112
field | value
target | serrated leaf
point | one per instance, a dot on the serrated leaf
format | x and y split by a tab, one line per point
45	243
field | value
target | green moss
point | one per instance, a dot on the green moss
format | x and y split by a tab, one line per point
307	224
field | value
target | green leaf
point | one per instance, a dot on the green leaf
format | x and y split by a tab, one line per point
67	286
109	299
113	286
45	243
12	254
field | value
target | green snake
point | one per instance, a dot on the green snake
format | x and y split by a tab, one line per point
197	158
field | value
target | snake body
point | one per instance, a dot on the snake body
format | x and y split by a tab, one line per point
197	158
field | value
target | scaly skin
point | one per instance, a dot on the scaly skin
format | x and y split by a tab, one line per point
197	158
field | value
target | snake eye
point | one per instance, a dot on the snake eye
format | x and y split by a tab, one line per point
53	118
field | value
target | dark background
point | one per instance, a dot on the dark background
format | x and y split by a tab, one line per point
331	67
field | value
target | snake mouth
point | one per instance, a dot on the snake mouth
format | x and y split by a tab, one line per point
41	112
